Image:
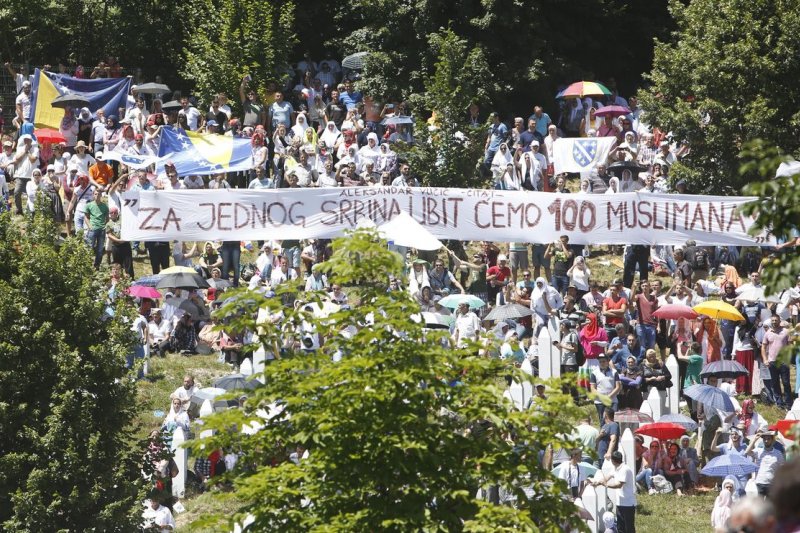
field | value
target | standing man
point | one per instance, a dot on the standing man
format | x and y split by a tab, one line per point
605	380
625	496
563	257
646	305
25	160
467	326
768	458
774	340
121	251
542	119
280	112
252	110
194	119
23	103
96	215
497	134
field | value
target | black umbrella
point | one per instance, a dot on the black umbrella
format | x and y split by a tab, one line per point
182	280
70	100
619	166
724	369
236	382
171	106
354	61
152	88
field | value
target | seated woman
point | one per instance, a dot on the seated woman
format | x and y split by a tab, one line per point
159	330
184	336
511	348
630	396
425	300
655	373
176	418
651	465
675	469
209	260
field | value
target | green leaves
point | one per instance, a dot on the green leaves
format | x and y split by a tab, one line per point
400	434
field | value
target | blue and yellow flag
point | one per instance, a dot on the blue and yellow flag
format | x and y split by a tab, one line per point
110	94
203	153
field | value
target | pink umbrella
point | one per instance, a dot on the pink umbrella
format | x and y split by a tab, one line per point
612	110
140	291
675	311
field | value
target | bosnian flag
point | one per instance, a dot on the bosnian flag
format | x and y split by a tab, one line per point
580	154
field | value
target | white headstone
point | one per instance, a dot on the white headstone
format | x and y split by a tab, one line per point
589	498
206	433
602	504
645	408
656	400
181	459
259	356
246	368
673	396
517	394
526	367
627	446
207	408
545	355
146	366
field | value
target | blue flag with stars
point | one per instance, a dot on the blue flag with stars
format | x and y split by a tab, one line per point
203	153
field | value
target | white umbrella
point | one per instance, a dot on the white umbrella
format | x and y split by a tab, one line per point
404	230
751	294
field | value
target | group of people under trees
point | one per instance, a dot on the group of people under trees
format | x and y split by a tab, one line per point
322	132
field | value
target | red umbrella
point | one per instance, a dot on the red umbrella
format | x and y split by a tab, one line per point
675	311
785	427
612	110
47	135
141	291
662	430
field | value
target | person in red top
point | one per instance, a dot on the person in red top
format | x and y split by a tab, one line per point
614	308
646	305
497	278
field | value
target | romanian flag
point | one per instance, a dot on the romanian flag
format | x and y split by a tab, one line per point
110	94
203	153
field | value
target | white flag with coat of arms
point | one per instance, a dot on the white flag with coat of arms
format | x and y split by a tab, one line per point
580	154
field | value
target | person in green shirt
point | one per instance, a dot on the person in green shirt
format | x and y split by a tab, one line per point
694	360
96	215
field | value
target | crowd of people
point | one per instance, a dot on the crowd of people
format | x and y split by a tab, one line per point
319	131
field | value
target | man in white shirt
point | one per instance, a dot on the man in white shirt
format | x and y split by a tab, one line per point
23	102
158	518
26	159
768	458
467	327
570	471
282	274
186	391
624	498
193	117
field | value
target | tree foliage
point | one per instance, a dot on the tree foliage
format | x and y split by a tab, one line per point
401	433
233	38
726	77
448	149
67	457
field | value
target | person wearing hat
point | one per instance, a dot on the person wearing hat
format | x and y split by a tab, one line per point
26	159
23	103
81	158
101	174
624	498
767	457
212	126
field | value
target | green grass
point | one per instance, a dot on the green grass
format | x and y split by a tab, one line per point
669	512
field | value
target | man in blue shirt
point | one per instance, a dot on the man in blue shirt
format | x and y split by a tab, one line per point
542	119
497	134
349	97
530	135
280	112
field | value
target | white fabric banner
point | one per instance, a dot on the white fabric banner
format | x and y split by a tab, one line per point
580	154
463	214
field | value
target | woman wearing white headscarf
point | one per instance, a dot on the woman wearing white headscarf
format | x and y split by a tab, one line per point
300	126
369	152
544	300
330	136
176	418
628	183
500	160
509	181
722	507
530	171
387	159
613	186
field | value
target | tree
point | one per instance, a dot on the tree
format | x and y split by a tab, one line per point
726	77
447	148
400	433
68	460
233	38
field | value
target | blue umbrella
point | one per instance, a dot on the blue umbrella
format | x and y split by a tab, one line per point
681	420
710	396
148	281
729	465
453	300
586	470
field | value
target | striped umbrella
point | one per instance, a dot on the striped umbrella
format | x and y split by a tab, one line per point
580	89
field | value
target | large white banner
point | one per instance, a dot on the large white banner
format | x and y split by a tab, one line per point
463	214
580	154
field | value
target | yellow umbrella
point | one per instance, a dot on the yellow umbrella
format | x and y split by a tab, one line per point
717	309
178	270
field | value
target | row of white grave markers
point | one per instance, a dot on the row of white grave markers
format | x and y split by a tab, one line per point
549	355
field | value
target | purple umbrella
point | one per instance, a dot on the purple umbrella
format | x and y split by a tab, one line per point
612	110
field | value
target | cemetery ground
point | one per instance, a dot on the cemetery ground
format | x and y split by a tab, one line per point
655	513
